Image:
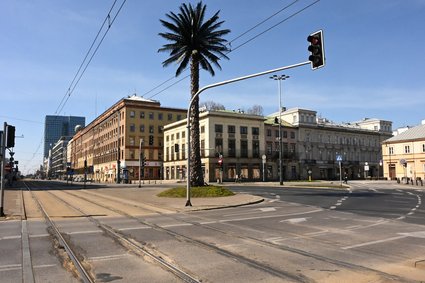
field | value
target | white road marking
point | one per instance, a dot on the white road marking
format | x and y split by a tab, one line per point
270	216
373	242
177	225
107	257
10	267
332	207
10	237
267	209
294	220
84	232
134	228
418	234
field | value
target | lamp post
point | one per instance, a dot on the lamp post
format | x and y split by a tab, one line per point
280	78
140	161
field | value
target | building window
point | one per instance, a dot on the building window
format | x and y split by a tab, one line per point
255	149
276	133
285	134
142	128
142	114
269	148
218	146
244	130
255	131
406	149
160	129
202	148
391	150
231	129
170	116
423	148
218	128
131	140
183	134
132	114
179	117
292	135
151	117
131	154
202	129
132	128
232	148
160	116
269	132
244	148
151	129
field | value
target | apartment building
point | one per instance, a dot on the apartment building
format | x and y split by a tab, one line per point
114	140
320	143
233	136
404	154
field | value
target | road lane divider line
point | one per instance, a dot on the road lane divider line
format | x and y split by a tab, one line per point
374	242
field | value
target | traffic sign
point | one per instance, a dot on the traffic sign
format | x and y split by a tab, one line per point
339	157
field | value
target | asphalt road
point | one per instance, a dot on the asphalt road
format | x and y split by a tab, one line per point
376	199
371	232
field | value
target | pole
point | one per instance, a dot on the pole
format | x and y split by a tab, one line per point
3	153
340	173
140	161
279	79
118	153
188	203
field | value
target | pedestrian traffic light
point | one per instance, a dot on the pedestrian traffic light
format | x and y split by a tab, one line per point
150	140
10	136
220	163
317	49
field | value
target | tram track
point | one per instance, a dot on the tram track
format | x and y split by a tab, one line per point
132	245
306	254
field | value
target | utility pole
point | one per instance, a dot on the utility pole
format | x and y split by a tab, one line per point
3	153
140	161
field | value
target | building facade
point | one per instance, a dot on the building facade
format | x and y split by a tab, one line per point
234	137
58	164
56	127
321	144
113	141
404	155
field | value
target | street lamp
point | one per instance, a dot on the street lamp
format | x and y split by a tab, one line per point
280	78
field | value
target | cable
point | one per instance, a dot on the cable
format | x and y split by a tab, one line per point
73	85
242	44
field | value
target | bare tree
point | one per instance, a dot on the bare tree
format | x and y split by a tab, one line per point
256	110
211	105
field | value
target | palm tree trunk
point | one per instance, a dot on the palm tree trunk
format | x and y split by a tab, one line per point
197	177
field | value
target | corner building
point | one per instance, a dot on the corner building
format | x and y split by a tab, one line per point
110	144
234	136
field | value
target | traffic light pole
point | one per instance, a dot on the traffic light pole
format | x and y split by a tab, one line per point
188	202
3	158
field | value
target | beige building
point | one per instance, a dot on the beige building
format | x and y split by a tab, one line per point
404	154
236	137
320	143
112	141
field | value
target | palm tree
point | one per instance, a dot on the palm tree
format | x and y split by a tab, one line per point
199	42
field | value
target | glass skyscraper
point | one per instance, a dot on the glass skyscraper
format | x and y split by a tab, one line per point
56	127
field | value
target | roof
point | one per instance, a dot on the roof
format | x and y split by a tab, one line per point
414	133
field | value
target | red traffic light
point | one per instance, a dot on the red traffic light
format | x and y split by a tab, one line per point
316	48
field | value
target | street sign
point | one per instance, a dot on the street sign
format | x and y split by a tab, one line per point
402	161
264	157
339	157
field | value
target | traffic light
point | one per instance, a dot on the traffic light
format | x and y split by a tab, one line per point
150	140
10	136
276	120
317	49
144	162
220	163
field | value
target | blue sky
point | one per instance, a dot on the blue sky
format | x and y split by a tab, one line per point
374	67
